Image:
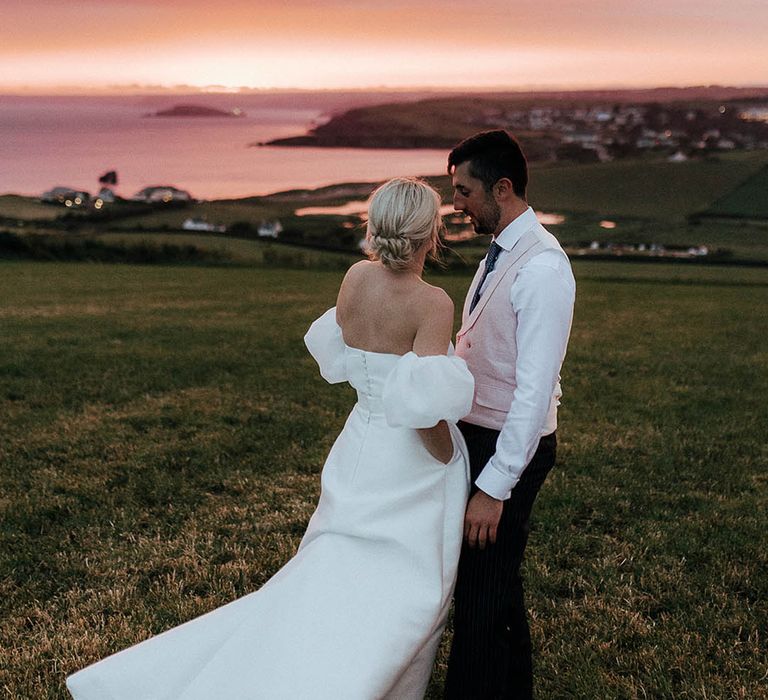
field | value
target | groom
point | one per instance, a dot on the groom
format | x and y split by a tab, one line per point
515	327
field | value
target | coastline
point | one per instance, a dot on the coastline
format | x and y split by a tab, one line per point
542	121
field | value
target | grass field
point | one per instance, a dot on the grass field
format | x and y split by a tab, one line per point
241	251
18	207
748	200
744	241
654	189
217	212
163	429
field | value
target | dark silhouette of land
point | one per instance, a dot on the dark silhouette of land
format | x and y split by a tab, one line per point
613	121
188	110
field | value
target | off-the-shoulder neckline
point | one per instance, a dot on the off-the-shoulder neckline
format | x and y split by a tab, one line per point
372	352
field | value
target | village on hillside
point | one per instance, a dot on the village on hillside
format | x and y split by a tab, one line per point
607	131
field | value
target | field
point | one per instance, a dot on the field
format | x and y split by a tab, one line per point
163	430
654	189
654	202
748	200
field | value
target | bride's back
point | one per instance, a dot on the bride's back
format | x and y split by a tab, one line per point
380	310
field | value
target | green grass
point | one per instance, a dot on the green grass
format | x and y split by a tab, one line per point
653	189
743	240
88	249
748	200
240	251
163	429
17	207
233	248
216	212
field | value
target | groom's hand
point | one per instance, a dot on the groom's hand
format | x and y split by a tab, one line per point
482	519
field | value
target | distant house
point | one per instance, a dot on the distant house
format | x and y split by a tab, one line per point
601	115
582	137
106	194
68	196
678	157
162	193
270	229
202	225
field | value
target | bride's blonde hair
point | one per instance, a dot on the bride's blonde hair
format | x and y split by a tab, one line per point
403	215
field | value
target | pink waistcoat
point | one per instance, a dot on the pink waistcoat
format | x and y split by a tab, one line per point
487	338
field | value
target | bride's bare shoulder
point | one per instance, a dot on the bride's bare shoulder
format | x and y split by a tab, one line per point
435	307
353	280
435	323
360	267
437	298
358	271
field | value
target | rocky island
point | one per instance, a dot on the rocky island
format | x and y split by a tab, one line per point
197	111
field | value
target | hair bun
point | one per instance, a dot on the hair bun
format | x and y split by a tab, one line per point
403	215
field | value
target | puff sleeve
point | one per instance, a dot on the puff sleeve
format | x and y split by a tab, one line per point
421	391
326	344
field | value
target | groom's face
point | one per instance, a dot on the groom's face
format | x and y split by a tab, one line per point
471	198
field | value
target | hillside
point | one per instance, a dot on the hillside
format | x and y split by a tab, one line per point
656	189
442	121
747	201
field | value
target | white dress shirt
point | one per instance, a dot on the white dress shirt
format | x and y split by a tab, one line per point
542	297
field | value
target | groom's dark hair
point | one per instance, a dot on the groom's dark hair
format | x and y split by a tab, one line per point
492	155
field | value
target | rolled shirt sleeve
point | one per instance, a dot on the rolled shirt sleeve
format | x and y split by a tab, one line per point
542	297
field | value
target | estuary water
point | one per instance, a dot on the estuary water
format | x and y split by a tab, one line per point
71	141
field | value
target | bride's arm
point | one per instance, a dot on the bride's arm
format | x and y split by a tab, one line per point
432	338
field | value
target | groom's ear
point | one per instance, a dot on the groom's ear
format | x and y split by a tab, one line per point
503	189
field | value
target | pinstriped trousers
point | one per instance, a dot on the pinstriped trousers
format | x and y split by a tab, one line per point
491	652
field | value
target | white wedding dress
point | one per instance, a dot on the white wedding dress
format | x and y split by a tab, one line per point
358	612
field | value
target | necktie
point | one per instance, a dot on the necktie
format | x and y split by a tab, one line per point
490	261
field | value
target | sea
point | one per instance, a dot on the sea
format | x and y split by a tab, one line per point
71	141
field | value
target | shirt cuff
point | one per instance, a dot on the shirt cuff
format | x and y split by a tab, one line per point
497	484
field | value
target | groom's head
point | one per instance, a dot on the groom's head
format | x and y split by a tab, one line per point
490	177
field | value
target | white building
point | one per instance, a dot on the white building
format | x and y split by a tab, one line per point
270	229
202	225
106	195
68	196
162	193
678	157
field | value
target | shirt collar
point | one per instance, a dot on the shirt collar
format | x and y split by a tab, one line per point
512	232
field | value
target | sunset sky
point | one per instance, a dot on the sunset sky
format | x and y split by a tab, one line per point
48	44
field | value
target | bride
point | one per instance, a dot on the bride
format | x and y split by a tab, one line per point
357	614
